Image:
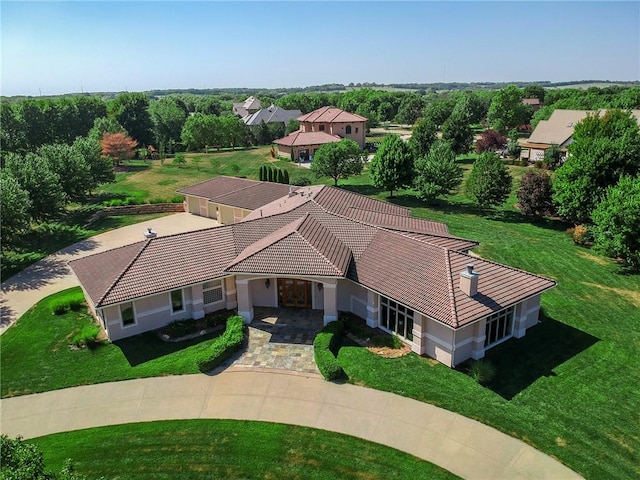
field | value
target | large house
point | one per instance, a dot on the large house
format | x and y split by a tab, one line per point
249	106
321	248
558	130
272	114
322	126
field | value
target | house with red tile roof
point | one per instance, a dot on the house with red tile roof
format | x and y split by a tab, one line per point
322	126
322	248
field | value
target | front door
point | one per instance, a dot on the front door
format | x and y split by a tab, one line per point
293	292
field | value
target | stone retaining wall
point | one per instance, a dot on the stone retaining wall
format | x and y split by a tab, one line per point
136	210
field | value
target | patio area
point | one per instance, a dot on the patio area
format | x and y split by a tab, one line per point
281	338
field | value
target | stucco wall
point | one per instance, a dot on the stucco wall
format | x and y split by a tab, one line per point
263	296
339	128
193	204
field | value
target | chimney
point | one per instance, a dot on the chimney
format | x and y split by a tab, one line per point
291	192
469	281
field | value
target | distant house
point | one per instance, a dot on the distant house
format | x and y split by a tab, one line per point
534	103
272	114
322	126
249	106
558	130
320	248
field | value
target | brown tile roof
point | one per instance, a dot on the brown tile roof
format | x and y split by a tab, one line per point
303	247
400	223
301	139
308	238
340	201
237	192
331	115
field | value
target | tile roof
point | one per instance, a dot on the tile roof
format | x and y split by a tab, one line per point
272	114
300	138
321	233
237	192
331	115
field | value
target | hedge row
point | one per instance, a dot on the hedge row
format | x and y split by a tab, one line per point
324	346
227	343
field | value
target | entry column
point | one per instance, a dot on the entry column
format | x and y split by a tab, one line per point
245	303
330	289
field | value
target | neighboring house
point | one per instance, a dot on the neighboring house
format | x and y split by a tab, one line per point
558	130
272	114
534	103
249	106
324	125
321	248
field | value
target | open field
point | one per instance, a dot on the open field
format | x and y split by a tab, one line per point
228	449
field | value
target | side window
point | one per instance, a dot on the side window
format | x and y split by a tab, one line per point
177	303
127	314
321	128
356	129
348	129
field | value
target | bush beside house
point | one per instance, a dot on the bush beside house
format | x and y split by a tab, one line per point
324	348
230	341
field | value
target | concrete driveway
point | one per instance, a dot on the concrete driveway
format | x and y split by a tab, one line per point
51	274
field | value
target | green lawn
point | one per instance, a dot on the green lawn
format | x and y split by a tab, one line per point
40	344
228	449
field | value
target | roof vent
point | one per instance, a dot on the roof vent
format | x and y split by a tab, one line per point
291	191
469	281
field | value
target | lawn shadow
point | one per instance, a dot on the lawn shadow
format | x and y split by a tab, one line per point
520	362
509	216
362	189
441	205
147	346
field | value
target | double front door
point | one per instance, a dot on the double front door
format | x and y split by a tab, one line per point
293	292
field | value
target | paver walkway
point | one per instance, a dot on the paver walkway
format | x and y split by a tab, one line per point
463	446
51	274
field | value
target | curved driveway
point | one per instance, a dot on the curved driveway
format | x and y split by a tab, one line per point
458	444
462	446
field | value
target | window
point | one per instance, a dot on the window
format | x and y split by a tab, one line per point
348	129
356	129
127	314
212	292
397	318
177	304
321	128
499	327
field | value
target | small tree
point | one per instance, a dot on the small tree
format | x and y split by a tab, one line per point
285	177
179	160
338	160
534	194
456	130
423	136
490	140
552	157
392	165
617	219
118	146
489	182
437	174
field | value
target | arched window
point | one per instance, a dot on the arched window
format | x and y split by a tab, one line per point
348	129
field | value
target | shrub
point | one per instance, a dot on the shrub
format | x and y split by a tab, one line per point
534	194
482	371
224	346
385	340
490	140
59	307
302	181
581	235
177	199
72	301
180	328
87	335
324	346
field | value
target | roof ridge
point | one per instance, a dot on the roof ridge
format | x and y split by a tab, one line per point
324	257
437	235
452	295
307	218
125	270
109	250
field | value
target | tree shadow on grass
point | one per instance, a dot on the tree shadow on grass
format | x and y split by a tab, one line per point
509	216
362	189
520	362
148	346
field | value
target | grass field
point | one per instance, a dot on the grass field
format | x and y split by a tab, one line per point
228	449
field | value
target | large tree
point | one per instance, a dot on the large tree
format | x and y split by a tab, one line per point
35	175
603	149
118	147
617	219
168	119
422	137
489	182
100	168
12	129
200	130
392	165
70	166
507	110
458	133
338	160
439	110
131	110
410	109
437	173
15	206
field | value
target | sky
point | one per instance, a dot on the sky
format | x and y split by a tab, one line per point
50	48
